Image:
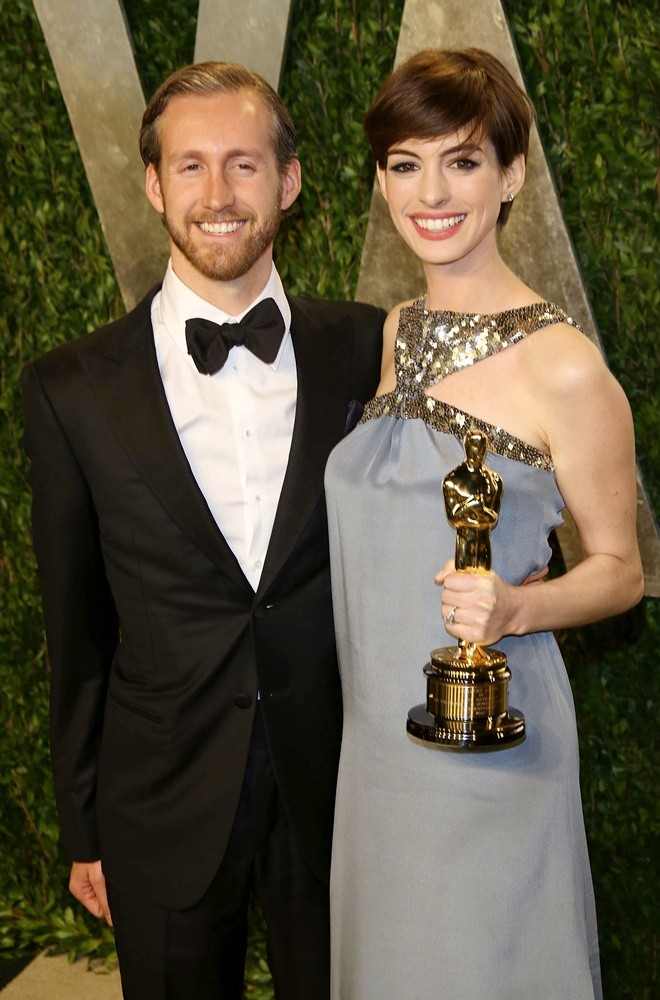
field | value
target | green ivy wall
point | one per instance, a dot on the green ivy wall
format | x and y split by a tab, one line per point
590	67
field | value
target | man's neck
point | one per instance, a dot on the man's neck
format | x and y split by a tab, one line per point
232	297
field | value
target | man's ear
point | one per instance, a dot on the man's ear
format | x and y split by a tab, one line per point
152	187
291	183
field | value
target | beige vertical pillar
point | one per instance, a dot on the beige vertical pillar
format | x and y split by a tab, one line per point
252	32
91	51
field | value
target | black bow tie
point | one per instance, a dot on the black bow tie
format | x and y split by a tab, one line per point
261	331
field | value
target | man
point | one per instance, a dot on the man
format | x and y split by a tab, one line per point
179	526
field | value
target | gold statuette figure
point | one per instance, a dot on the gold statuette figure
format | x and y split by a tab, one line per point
467	685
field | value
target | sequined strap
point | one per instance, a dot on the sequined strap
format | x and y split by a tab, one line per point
432	344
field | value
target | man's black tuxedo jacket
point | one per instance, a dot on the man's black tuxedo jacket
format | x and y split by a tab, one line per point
158	644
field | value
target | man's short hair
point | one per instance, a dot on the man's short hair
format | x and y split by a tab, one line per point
217	78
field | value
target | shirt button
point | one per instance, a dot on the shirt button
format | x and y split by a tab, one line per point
235	369
242	701
248	434
258	564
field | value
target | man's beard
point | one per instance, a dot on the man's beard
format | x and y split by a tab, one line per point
224	263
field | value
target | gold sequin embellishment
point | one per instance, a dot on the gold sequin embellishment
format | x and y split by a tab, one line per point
431	345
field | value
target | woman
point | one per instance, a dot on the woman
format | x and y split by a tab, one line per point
459	876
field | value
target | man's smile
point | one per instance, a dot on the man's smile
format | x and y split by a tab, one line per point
221	228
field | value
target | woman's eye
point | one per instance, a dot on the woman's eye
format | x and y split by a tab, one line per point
465	164
403	168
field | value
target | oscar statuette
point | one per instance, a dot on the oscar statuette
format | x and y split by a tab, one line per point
467	685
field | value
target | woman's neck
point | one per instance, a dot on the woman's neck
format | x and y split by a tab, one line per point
475	287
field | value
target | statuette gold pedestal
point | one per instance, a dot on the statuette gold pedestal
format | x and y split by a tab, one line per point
466	702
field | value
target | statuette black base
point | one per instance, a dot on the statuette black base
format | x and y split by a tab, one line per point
475	736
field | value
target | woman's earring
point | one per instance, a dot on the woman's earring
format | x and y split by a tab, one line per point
510	197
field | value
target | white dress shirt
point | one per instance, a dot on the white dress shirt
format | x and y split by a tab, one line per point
235	426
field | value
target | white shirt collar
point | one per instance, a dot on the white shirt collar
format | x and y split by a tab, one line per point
178	303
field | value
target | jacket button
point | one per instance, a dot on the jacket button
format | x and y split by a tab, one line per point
242	701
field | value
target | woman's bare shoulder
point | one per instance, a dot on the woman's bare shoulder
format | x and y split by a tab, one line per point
562	360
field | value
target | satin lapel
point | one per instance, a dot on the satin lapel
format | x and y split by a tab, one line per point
126	381
320	414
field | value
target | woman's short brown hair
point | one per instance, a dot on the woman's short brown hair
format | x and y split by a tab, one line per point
217	78
438	92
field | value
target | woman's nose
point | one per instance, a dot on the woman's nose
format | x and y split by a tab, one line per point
433	187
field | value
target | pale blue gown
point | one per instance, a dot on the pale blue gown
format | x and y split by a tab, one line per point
454	876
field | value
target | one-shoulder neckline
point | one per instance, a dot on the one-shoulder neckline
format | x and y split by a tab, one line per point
431	344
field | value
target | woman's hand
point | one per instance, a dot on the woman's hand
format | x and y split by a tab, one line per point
479	607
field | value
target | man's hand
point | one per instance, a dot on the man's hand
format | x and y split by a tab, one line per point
87	884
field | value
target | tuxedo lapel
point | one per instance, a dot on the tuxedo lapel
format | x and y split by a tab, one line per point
320	414
126	381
